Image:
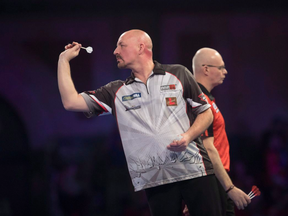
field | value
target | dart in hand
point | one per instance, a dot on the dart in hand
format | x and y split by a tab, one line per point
254	192
88	49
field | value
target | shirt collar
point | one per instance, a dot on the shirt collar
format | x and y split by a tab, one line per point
206	92
157	70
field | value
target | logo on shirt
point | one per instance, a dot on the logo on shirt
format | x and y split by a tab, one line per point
202	97
171	101
215	107
131	97
132	108
168	87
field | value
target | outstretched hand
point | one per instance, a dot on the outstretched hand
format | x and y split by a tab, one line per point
71	51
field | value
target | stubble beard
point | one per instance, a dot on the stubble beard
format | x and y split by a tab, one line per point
121	64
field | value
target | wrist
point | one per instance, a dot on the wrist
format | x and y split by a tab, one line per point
62	59
230	188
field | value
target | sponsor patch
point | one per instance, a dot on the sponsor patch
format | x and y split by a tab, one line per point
215	107
168	87
132	108
131	97
171	101
202	97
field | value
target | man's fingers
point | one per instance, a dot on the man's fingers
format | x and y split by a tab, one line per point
177	143
177	146
242	205
69	46
177	149
186	211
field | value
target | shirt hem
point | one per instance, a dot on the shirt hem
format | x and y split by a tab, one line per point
167	181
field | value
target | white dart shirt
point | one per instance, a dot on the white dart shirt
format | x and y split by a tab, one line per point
149	118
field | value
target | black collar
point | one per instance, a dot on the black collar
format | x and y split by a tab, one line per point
206	92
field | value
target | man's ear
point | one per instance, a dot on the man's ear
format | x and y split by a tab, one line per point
141	48
205	70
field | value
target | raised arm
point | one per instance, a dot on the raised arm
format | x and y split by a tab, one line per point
70	98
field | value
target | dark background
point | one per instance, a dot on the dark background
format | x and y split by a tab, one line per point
58	163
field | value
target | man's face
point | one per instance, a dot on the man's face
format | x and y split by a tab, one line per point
126	51
218	72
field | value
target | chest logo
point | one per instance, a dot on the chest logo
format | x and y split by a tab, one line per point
171	101
131	97
168	87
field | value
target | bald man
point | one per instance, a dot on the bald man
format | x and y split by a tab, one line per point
161	113
209	70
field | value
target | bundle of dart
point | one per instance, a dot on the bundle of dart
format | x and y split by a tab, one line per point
254	192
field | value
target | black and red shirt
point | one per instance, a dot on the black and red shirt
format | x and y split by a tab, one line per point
217	130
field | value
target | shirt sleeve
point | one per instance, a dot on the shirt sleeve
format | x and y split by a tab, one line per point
101	101
209	131
94	108
193	94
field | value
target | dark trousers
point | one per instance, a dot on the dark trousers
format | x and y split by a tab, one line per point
201	195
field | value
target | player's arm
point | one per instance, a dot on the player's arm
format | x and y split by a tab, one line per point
240	198
201	123
70	98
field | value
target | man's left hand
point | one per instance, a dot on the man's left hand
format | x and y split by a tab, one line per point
179	144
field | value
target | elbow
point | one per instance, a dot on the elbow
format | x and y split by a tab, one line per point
210	150
75	104
68	106
213	155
